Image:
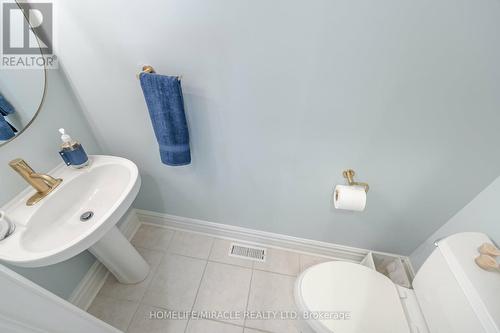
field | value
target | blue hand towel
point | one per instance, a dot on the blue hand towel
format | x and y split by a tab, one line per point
5	107
165	103
6	131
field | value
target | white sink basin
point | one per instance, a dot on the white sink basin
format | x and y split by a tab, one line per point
51	231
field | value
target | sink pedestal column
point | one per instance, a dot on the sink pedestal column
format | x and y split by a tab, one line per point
119	256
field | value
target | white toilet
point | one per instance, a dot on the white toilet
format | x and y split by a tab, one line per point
451	294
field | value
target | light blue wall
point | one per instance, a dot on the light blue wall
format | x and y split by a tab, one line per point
39	145
481	214
282	96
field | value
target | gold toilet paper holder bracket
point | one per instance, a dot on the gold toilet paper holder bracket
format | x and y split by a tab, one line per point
349	175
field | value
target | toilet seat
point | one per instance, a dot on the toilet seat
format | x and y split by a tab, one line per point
370	298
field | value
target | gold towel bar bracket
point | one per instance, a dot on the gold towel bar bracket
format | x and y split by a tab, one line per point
150	69
349	175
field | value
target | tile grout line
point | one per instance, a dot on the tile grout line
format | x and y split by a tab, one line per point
211	248
236	325
248	299
186	256
258	330
199	285
165	253
248	296
140	303
224	322
268	271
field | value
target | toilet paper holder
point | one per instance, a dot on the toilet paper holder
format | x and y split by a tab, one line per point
349	175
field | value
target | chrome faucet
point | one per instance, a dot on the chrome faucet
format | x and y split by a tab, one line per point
43	184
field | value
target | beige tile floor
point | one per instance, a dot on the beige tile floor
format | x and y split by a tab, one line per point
193	272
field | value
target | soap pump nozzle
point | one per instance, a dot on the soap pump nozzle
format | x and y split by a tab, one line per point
66	139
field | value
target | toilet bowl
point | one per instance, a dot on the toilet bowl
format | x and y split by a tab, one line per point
359	298
450	294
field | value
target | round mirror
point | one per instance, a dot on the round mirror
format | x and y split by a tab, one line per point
22	91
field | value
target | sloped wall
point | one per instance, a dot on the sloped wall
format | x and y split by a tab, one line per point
481	214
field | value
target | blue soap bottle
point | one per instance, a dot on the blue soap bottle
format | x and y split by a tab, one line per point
72	151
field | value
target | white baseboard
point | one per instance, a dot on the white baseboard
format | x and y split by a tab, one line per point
265	238
89	286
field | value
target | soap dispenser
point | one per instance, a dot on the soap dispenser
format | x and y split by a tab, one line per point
72	152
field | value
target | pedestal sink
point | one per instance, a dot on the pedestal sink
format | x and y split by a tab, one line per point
78	215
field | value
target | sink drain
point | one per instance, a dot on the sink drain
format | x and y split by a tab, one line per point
86	216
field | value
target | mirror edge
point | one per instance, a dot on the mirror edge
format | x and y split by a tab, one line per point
35	115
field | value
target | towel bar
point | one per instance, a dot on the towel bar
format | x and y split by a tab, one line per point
150	69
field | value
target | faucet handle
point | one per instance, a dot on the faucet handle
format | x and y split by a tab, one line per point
489	249
19	164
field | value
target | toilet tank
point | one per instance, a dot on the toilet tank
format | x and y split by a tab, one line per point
454	294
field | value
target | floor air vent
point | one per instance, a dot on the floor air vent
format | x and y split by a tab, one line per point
247	252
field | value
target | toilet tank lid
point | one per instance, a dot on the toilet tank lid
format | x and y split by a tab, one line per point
482	288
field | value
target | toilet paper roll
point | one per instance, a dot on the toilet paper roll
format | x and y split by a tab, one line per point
349	198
